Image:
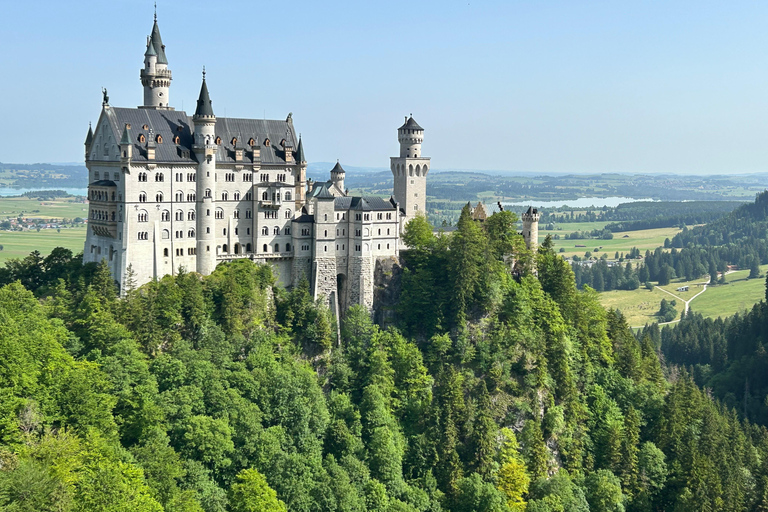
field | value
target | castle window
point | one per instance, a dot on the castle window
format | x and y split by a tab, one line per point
379	246
343	232
287	231
159	197
218	141
264	249
179	215
142	176
191	197
266	142
191	177
237	196
337	247
325	218
264	196
415	207
179	197
207	192
165	252
191	233
379	216
116	177
142	138
287	214
276	231
143	216
387	231
326	233
224	248
387	246
234	141
367	217
287	247
179	176
389	216
247	231
305	232
247	214
145	127
191	215
247	247
113	196
165	216
379	232
224	231
277	247
159	139
113	217
236	214
287	196
265	230
176	139
248	176
251	142
224	196
358	216
142	197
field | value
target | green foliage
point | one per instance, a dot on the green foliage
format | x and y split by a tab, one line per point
251	493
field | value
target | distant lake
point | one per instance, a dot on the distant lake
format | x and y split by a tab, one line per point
5	191
582	202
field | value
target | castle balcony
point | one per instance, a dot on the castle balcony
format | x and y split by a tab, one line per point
158	73
106	228
270	204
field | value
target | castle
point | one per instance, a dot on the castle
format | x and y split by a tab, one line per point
168	190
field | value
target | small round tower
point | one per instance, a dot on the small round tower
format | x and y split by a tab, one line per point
531	228
410	136
155	75
338	175
205	147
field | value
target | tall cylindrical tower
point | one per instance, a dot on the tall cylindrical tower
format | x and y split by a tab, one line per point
410	136
410	171
531	228
205	150
155	75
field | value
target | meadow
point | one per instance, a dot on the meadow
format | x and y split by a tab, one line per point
622	241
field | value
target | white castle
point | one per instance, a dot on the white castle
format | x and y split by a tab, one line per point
167	191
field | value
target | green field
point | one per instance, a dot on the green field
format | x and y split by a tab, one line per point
65	207
737	295
17	244
638	306
622	241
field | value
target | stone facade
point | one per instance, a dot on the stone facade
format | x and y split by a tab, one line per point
168	190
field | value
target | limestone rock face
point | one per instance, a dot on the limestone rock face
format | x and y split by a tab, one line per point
387	282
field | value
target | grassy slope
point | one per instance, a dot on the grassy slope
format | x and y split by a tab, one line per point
60	208
737	295
642	239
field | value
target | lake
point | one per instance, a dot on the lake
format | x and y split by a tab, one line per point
582	202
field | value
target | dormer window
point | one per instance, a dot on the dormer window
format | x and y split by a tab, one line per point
234	141
251	142
177	140
266	142
142	139
159	139
218	141
145	127
282	142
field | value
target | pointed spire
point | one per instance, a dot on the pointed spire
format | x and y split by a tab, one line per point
337	168
300	152
126	138
150	49
204	107
157	42
89	137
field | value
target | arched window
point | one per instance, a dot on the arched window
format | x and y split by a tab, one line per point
113	217
265	230
325	217
142	139
251	142
165	252
247	247
191	215
142	176
166	235
234	143
264	249
224	196
191	197
236	196
191	233
276	231
277	247
179	215
418	170
237	248
219	213
159	177
143	197
264	196
143	216
113	196
176	140
266	142
159	138
410	170
207	192
287	247
218	141
288	214
286	230
159	197
179	197
224	248
287	196
165	216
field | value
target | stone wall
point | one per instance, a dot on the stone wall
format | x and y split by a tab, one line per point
387	281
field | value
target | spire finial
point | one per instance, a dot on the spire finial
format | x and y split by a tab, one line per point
155	12
203	73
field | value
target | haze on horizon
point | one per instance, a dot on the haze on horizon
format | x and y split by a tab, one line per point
543	87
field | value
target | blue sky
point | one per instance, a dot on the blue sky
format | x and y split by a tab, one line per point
520	86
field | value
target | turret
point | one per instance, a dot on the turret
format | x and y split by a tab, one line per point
155	75
337	177
204	147
126	146
531	228
301	177
410	136
410	170
88	142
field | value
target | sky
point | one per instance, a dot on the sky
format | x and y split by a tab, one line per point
521	86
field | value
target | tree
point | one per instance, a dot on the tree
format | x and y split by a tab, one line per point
512	478
604	492
534	449
478	496
754	268
251	493
418	233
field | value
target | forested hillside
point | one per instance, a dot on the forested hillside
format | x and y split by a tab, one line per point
503	390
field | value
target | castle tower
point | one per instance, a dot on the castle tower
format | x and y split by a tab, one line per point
155	75
338	174
531	228
410	170
301	180
205	149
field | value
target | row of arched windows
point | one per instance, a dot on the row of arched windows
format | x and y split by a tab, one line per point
401	170
100	195
275	230
102	215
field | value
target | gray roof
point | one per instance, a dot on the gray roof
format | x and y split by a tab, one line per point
150	49
126	138
104	183
170	123
305	218
89	137
367	203
204	107
300	152
157	42
338	168
321	190
411	124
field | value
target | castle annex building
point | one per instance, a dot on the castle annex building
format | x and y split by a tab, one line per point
170	190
